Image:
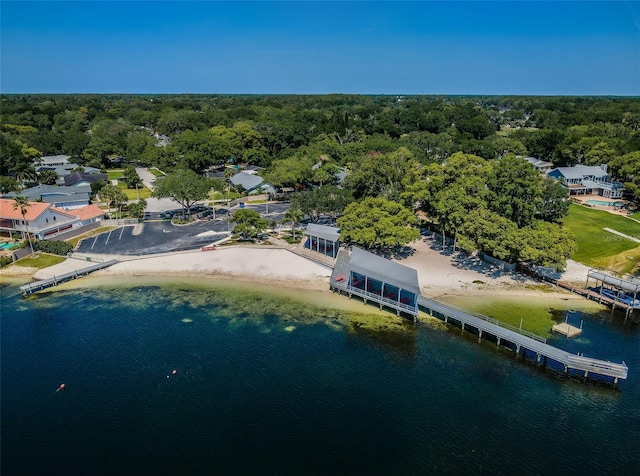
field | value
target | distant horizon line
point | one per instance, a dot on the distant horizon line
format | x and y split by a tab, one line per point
631	96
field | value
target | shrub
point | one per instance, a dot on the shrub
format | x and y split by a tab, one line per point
56	247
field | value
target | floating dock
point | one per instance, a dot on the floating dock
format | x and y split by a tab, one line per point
34	287
566	329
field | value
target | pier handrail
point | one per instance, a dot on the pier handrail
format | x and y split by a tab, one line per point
597	366
491	320
569	360
373	296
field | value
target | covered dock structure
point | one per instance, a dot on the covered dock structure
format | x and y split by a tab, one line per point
373	278
322	239
392	285
619	292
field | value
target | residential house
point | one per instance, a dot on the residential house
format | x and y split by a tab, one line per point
249	182
89	214
252	169
53	160
84	178
588	180
541	166
66	198
43	220
60	165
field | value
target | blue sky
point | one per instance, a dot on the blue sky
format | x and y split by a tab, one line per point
451	47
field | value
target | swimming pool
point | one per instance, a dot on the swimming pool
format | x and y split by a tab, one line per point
603	203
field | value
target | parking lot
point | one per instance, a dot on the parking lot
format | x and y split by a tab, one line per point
156	237
159	235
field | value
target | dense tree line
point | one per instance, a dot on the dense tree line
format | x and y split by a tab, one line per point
451	158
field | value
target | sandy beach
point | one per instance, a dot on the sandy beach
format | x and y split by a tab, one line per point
440	273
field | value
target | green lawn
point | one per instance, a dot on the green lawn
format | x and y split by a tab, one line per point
537	315
597	247
40	261
156	172
133	194
115	174
224	196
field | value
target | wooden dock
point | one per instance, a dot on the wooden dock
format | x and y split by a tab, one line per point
523	342
506	335
566	329
31	288
594	296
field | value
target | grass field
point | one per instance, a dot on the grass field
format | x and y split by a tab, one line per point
40	261
599	248
537	315
224	196
115	174
133	194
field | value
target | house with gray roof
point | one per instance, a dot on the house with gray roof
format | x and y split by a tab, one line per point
247	181
541	166
51	160
84	178
60	165
66	198
588	180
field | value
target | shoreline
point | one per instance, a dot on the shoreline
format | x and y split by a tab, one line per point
441	274
455	279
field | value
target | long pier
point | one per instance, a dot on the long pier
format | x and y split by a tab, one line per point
31	288
379	271
530	342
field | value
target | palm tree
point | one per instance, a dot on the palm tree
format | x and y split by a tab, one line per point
293	215
23	204
24	172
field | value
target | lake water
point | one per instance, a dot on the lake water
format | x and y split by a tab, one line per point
281	392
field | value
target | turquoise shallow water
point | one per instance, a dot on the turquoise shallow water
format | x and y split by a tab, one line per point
258	394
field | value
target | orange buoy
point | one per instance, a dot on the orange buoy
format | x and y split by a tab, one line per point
61	387
174	372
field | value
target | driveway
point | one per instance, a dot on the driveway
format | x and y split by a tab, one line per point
148	179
